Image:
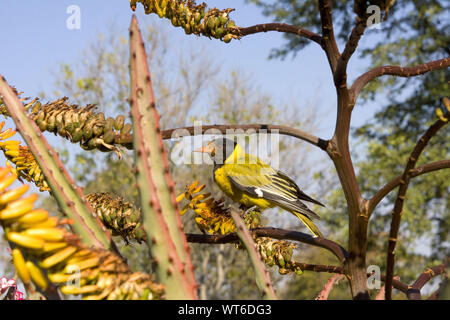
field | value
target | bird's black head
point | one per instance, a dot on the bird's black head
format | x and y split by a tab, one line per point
219	149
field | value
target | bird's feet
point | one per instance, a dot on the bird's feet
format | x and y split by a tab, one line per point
242	207
249	210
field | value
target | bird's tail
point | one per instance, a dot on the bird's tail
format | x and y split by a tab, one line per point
308	222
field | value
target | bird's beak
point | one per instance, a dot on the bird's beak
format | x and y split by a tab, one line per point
206	149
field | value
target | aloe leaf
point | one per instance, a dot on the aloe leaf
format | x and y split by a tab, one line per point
68	195
161	218
262	276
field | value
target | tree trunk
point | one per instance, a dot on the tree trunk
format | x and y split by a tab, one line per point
340	153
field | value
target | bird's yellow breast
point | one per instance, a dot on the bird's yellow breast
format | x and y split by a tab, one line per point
220	176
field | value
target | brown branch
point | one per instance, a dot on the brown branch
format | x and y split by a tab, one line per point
281	27
397	284
281	234
397	71
318	267
434	295
323	295
398	207
328	39
274	233
340	77
388	187
381	293
222	128
413	292
292	235
339	151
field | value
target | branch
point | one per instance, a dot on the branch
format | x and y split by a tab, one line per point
328	39
413	292
397	71
381	293
397	284
281	234
280	27
318	267
323	295
339	151
434	295
228	128
340	77
262	276
274	233
398	207
388	187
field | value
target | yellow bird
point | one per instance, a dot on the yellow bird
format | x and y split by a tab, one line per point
249	181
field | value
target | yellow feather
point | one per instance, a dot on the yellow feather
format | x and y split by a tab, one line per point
309	224
254	172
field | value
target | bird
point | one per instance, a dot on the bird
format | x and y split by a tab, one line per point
247	180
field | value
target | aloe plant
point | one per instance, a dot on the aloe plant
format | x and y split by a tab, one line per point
161	218
68	195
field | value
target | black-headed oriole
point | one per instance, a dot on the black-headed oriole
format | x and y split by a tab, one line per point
249	181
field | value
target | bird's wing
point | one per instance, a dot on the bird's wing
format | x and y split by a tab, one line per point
301	194
261	181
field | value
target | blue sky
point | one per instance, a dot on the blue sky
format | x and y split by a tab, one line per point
35	40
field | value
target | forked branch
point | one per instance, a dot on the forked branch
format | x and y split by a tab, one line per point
398	207
340	77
